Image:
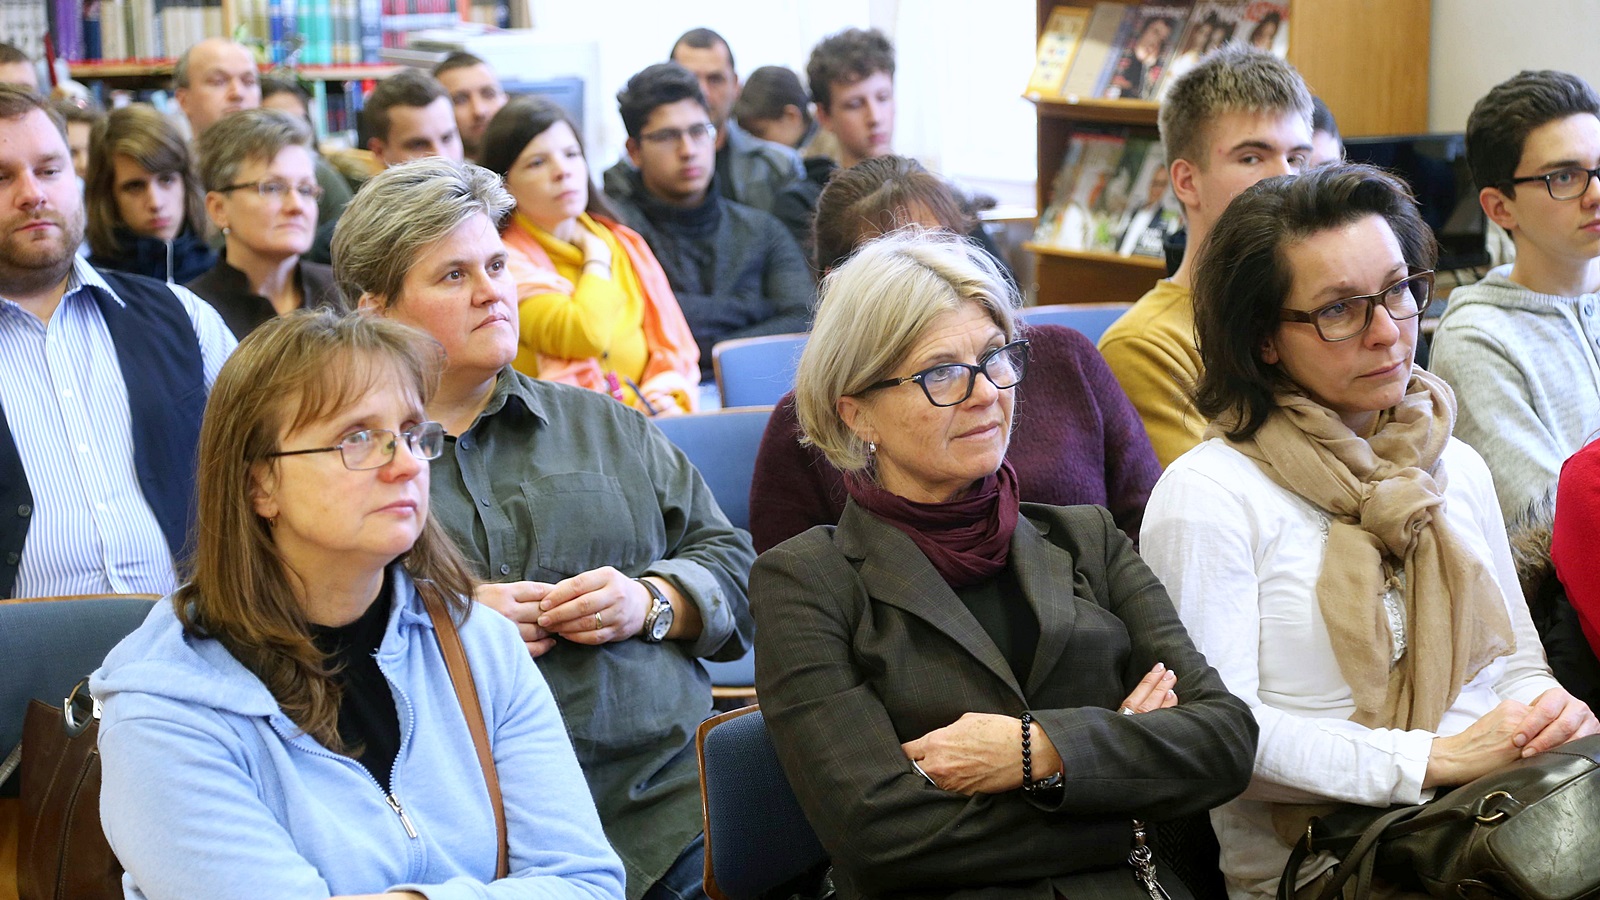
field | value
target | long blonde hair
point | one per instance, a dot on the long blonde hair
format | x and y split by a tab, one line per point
292	371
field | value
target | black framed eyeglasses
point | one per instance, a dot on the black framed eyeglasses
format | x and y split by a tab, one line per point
1344	319
697	133
1564	184
276	190
374	448
950	384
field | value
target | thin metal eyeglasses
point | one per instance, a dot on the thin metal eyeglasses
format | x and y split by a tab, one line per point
1344	319
1564	184
943	384
697	133
275	190
374	448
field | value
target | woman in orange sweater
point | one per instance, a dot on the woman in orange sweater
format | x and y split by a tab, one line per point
595	306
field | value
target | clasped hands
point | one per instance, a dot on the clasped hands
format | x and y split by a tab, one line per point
1509	732
981	753
594	607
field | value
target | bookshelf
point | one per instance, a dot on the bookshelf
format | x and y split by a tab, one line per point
1352	53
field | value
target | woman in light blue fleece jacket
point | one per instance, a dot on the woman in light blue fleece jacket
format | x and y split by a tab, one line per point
284	725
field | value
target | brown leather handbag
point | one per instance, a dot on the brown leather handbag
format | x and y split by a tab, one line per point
63	854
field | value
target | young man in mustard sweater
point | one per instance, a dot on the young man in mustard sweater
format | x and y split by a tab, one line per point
1240	116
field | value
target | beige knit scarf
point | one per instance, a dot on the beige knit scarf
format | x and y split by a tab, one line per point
1385	496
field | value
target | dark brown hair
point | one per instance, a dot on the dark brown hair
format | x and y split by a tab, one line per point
290	372
516	125
846	58
1502	120
877	196
1242	278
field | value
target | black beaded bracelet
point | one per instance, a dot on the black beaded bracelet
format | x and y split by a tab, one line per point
1027	751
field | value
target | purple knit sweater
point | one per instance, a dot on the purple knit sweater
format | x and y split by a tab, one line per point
1075	439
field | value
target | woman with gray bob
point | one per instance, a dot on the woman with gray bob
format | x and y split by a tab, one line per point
966	691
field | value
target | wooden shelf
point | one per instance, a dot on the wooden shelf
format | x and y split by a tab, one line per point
91	71
1116	112
1146	262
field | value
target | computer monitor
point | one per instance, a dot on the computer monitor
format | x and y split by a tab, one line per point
1435	166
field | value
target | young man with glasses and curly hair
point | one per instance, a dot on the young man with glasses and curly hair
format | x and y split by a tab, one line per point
1520	346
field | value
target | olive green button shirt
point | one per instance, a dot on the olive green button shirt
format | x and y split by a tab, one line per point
552	480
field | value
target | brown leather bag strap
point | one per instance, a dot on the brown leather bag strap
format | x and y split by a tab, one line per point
455	660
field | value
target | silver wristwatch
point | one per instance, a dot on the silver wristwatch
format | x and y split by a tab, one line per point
658	621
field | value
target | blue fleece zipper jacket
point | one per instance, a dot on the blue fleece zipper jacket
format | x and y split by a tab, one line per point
211	791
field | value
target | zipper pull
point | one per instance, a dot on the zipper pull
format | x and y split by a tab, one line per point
400	811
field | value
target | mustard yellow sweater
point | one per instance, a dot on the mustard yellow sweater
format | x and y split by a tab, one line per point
1152	351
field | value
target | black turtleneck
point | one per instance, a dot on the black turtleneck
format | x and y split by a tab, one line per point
367	716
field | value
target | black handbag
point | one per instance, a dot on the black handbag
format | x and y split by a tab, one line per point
1530	831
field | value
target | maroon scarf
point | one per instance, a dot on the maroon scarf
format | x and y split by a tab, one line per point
968	539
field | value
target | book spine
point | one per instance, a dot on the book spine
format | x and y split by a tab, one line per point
92	46
370	17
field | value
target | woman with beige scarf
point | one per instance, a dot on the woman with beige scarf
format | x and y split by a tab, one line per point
1335	553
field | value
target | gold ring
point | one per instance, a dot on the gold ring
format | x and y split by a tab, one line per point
598	622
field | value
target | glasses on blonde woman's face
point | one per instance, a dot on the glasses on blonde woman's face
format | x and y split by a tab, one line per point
1344	319
950	384
374	448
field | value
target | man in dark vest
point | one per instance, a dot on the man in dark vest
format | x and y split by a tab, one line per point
103	379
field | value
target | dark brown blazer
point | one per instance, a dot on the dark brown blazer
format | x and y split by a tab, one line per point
861	646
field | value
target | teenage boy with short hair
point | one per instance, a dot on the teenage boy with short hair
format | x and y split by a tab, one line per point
734	269
1238	117
1519	347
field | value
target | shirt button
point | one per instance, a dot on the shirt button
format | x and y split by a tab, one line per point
1588	309
12	558
100	506
66	395
505	569
24	510
464	444
483	503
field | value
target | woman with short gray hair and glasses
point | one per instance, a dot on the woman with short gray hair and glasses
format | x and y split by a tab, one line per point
968	692
261	191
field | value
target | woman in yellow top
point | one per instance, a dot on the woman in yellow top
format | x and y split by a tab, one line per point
595	306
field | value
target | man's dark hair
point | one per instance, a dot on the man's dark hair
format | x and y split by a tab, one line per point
460	59
17	101
847	57
767	92
408	87
1242	278
10	53
284	84
74	109
703	39
656	86
1501	122
1322	118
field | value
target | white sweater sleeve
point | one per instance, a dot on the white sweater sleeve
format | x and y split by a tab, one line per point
1224	570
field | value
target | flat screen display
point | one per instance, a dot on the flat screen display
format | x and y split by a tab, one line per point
1435	166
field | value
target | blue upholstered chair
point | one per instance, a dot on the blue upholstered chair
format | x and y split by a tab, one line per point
758	842
756	371
1090	318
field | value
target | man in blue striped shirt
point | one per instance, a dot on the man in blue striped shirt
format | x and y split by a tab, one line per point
103	379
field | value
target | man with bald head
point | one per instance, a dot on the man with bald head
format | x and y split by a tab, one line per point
214	78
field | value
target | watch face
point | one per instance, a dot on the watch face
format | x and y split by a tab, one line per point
662	624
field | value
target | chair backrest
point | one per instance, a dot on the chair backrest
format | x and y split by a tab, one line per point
757	838
1092	319
722	444
48	645
756	371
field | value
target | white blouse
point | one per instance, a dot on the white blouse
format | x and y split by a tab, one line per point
1240	557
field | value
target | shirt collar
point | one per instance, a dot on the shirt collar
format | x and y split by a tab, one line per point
84	275
509	386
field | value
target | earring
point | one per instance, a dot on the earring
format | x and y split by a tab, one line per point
226	231
272	522
872	449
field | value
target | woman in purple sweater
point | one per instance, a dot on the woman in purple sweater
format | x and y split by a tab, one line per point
1077	438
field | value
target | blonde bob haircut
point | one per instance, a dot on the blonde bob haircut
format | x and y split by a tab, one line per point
295	370
401	212
875	307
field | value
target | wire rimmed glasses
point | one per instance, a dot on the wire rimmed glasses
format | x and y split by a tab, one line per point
374	448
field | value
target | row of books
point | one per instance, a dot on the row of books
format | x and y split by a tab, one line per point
1112	195
1134	51
304	32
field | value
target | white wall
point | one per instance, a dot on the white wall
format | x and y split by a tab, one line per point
958	86
1477	44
